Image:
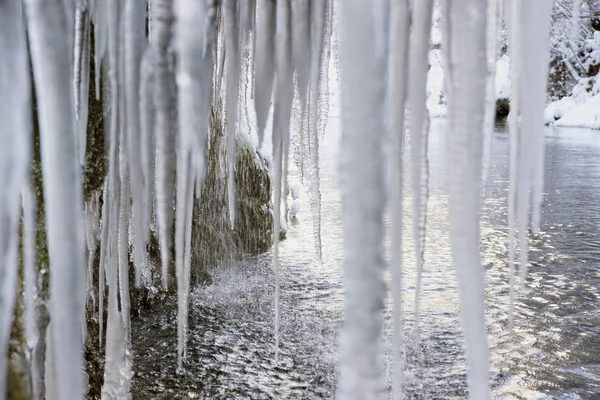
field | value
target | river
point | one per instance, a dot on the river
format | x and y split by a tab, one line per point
553	353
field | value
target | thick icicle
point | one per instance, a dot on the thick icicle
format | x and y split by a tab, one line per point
465	64
14	159
265	62
134	25
418	66
361	173
49	43
317	32
492	56
281	131
164	130
398	76
233	84
534	77
194	75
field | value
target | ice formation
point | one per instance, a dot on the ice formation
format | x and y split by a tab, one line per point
158	89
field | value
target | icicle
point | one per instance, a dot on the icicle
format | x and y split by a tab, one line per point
265	62
84	90
164	131
281	132
534	77
514	39
492	57
116	369
418	64
398	76
104	225
62	191
78	50
146	113
324	72
134	25
318	17
15	134
194	75
301	53
277	159
465	63
100	40
233	82
123	232
361	168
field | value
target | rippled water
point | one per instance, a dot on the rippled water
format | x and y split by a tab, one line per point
554	352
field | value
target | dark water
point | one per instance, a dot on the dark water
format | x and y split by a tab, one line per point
554	352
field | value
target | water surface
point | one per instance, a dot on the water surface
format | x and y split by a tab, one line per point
554	352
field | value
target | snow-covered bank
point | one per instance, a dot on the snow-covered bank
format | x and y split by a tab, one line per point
581	109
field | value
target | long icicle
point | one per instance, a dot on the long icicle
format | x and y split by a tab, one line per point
398	76
281	132
194	94
232	97
134	26
104	225
84	90
535	59
147	144
419	50
62	192
164	131
362	91
317	34
513	132
465	63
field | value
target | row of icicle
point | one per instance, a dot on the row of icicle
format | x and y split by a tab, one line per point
159	87
159	75
376	87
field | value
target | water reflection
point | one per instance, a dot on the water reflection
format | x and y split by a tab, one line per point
554	351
